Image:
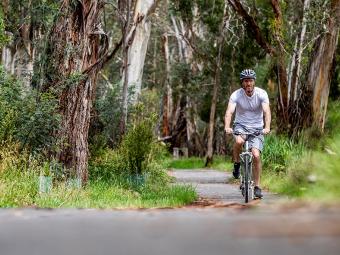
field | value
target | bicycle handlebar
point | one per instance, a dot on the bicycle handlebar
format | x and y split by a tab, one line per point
248	133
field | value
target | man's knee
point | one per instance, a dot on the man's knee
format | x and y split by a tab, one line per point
239	141
256	154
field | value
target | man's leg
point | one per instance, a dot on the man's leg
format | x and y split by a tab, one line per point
237	148
257	171
257	165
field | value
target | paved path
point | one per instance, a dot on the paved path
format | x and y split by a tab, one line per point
215	186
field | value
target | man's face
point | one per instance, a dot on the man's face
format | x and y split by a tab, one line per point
248	86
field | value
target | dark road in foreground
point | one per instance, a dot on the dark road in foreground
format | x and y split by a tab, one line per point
218	224
190	231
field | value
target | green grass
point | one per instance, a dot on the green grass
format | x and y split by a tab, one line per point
102	195
314	176
219	163
303	171
19	189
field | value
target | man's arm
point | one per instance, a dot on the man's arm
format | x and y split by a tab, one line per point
228	114
267	117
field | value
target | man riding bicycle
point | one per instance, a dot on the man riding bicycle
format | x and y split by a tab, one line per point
250	103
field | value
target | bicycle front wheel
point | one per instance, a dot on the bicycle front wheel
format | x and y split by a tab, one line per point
246	180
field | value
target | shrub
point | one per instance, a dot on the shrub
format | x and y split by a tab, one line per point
138	154
136	146
27	117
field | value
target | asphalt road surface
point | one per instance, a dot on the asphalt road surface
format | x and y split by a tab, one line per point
231	228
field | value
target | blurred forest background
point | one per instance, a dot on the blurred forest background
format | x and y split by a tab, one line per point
80	79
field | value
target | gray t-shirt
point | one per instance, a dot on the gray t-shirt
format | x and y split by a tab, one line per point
249	111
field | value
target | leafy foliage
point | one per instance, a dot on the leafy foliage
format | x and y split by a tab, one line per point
137	155
27	117
3	37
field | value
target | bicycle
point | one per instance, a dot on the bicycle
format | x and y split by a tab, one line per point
247	183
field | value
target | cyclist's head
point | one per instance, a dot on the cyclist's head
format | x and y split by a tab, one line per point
248	77
247	74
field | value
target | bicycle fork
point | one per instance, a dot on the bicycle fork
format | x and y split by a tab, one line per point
247	183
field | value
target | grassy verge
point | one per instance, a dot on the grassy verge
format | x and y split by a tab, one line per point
220	163
313	176
19	189
306	172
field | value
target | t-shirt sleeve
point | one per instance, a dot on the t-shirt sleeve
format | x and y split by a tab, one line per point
264	97
233	97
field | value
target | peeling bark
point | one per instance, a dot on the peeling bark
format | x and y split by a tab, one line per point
75	58
135	44
319	74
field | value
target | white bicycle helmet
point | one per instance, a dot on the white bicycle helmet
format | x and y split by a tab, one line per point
247	74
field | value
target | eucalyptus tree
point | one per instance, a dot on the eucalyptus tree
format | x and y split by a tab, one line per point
223	26
320	66
136	29
75	50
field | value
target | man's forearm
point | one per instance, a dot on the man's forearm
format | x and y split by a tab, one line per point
228	114
227	120
267	119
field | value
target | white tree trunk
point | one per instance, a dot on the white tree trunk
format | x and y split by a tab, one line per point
178	37
167	97
302	38
135	46
137	41
295	68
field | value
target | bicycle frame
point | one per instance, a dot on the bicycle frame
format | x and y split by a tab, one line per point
247	183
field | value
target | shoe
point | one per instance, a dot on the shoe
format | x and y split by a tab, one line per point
236	171
258	192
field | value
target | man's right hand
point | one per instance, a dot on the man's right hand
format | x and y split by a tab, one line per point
228	130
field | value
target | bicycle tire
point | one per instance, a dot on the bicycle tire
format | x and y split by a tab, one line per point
246	179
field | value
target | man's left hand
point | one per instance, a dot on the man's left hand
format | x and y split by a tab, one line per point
266	131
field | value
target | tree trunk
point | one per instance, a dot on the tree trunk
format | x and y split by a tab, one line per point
210	151
178	37
135	44
279	54
75	57
167	98
294	74
318	80
217	84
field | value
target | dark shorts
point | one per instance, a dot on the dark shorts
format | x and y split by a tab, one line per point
254	141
